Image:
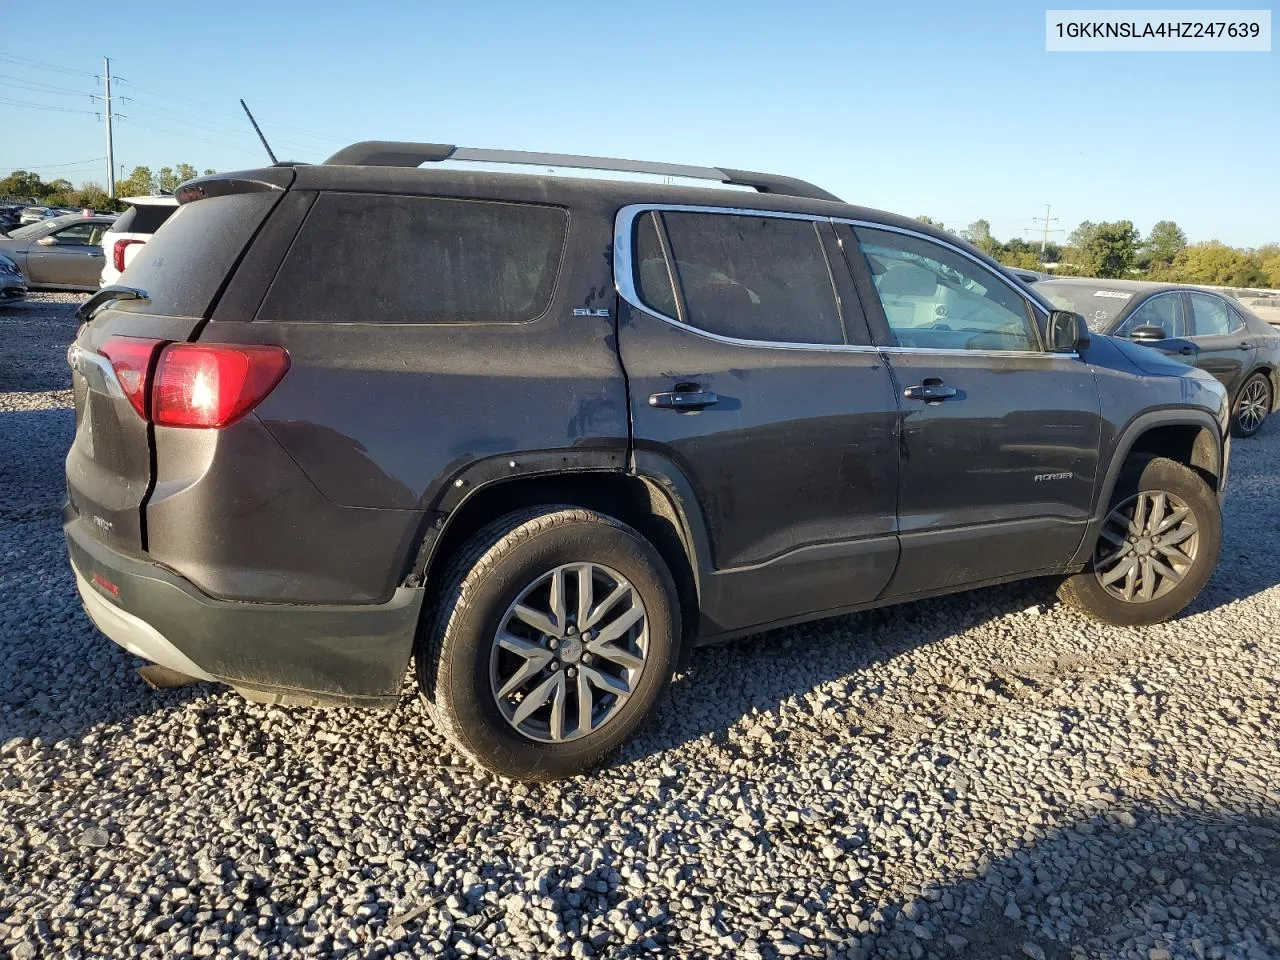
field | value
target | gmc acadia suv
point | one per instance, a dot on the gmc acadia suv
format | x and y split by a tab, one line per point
540	434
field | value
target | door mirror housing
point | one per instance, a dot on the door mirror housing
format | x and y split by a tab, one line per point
48	241
1067	332
1148	334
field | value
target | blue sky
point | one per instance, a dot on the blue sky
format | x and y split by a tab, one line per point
953	110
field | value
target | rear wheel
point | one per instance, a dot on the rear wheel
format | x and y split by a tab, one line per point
1253	403
1156	550
552	639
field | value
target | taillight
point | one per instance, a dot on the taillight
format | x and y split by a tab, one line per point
213	385
130	358
117	253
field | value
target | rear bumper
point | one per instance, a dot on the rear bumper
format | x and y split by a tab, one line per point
351	655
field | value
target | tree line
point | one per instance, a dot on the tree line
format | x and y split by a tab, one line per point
28	186
1117	250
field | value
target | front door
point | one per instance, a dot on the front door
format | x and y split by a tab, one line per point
74	259
999	438
1219	335
752	375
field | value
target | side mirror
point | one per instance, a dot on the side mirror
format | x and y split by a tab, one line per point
1148	334
48	241
1067	332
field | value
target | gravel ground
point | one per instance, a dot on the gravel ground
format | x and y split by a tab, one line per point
986	775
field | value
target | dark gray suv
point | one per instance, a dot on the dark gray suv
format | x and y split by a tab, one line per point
542	434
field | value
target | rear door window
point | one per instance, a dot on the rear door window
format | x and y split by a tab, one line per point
1212	319
183	266
748	277
143	218
397	259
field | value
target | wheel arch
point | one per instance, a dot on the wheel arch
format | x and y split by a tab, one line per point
1190	437
644	502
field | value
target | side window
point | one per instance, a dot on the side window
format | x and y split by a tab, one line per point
654	280
1212	319
744	276
1164	311
78	233
936	298
396	259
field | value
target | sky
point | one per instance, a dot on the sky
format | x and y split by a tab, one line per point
940	108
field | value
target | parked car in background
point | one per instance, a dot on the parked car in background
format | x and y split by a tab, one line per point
1201	327
36	214
10	218
61	253
13	288
131	230
541	434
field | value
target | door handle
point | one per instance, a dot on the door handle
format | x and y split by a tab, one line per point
1245	346
683	399
931	391
1187	351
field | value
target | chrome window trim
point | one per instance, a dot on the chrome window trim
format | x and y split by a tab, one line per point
624	283
624	273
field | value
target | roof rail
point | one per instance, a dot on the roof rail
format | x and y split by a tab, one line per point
392	153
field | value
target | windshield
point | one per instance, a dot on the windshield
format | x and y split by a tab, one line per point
30	230
1096	302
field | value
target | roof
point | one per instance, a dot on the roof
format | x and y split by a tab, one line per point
1137	286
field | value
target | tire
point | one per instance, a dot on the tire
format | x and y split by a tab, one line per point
462	668
1143	478
1253	404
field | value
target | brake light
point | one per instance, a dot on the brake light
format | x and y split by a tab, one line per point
213	385
130	358
117	253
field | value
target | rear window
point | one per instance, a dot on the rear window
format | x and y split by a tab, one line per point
183	266
143	218
396	259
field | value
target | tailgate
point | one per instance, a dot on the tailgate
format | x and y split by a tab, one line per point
182	270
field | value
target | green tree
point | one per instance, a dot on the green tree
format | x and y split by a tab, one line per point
184	172
1269	264
931	222
1103	249
1212	262
24	185
979	234
165	181
1165	241
139	183
210	172
1019	258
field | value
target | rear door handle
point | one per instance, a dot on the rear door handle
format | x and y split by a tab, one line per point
931	392
683	400
1187	351
1246	346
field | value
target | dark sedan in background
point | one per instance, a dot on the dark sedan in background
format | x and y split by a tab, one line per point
1201	327
61	253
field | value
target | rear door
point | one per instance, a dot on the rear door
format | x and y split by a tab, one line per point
109	463
752	376
1224	347
999	438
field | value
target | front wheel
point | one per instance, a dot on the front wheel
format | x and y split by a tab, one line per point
1156	549
554	635
1252	406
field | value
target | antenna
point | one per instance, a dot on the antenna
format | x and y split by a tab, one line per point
258	130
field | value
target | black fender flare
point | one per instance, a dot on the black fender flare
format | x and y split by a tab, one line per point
1125	442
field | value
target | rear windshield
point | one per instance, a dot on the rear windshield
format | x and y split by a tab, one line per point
143	218
184	265
1098	303
396	259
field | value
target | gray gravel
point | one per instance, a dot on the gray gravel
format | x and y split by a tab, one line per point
986	775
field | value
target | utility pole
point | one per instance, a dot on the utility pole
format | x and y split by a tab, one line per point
106	115
1044	242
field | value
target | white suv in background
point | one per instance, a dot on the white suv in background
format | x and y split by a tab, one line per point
131	230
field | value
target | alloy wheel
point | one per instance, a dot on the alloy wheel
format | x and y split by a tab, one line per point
1253	404
1147	545
569	652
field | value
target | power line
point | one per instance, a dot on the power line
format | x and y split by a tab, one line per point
45	106
9	80
54	166
207	126
42	65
